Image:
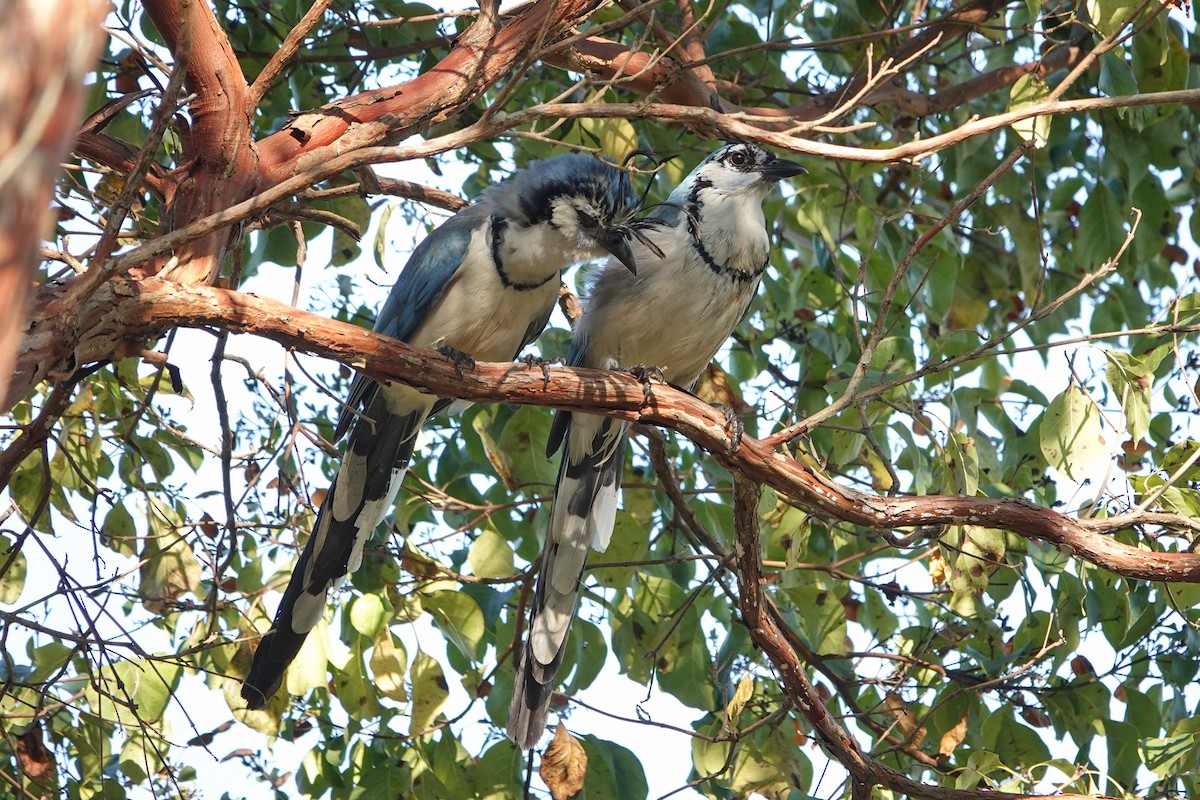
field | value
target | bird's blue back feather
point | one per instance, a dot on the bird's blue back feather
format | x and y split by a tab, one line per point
427	274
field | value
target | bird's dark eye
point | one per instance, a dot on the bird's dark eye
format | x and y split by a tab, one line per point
739	158
587	220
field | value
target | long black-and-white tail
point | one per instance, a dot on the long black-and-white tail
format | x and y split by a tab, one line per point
377	456
581	519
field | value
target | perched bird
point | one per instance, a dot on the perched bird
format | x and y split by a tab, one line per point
672	315
481	286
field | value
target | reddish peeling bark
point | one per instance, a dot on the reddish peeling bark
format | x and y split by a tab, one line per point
48	47
223	166
480	58
660	77
220	166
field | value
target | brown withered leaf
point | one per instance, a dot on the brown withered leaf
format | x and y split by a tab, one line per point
715	387
564	764
906	721
569	304
1035	717
952	738
208	526
799	737
35	760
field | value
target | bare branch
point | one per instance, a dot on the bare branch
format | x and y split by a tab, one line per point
134	311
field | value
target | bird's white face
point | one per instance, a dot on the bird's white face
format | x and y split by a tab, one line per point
589	226
736	169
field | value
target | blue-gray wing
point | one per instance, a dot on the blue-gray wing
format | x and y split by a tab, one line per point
420	286
427	274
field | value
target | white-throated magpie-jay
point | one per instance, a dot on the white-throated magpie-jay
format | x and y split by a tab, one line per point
673	315
481	286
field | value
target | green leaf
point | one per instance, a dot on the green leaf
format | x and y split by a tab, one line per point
1174	459
1071	438
460	619
382	246
974	556
132	692
169	570
118	531
614	773
368	614
429	693
142	754
629	544
1030	90
523	445
27	488
311	665
491	556
616	136
12	582
1131	379
962	465
1187	310
1101	227
1171	755
498	774
354	687
769	765
1160	60
587	652
1116	78
1110	16
353	208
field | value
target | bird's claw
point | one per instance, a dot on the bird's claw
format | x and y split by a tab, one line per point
534	361
646	375
459	357
733	426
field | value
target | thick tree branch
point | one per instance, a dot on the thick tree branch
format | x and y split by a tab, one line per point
48	46
220	164
130	311
690	81
49	348
480	58
120	157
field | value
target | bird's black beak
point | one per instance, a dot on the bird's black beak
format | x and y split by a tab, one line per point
778	169
617	243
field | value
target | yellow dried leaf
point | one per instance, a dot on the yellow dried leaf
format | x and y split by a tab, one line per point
938	569
564	764
906	721
388	662
429	693
741	696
